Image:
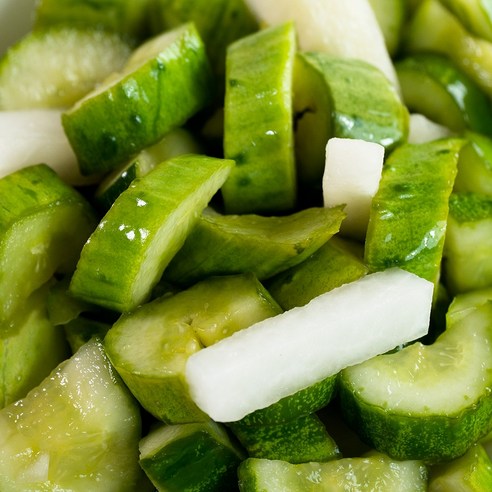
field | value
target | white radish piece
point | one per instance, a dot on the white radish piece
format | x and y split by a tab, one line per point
347	28
352	173
422	129
36	136
281	355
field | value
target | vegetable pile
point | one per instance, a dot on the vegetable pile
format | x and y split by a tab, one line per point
246	247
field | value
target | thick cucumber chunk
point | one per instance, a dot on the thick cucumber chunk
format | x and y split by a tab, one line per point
229	244
54	67
402	405
409	212
78	430
258	123
374	472
165	81
43	226
148	223
198	456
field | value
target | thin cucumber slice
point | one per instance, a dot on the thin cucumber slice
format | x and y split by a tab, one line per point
475	15
169	71
258	123
150	346
196	456
54	67
400	403
391	16
468	242
67	433
146	226
375	472
346	98
409	212
434	86
297	441
229	244
44	224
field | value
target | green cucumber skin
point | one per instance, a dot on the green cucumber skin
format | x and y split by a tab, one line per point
231	244
128	115
408	215
258	126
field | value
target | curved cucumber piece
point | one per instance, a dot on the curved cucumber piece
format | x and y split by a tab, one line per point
346	98
475	15
229	244
375	472
54	67
258	131
400	403
409	212
169	71
146	226
43	226
432	85
197	456
391	16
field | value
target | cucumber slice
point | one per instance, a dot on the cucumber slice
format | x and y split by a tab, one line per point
150	346
391	16
230	244
169	71
258	123
462	304
400	403
67	433
376	472
434	86
54	67
468	242
44	224
475	15
408	216
147	225
337	262
197	456
346	98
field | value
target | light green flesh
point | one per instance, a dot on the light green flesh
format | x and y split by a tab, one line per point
375	472
258	132
67	435
147	225
54	68
475	15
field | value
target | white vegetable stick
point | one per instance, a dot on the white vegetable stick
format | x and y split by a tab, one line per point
422	129
281	355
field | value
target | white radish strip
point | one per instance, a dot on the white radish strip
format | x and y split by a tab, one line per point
36	136
352	173
347	28
281	355
422	129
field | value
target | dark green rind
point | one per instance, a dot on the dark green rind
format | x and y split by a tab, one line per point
409	212
230	244
297	441
155	96
148	223
258	123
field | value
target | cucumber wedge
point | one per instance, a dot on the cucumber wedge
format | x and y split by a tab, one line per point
401	404
169	71
146	226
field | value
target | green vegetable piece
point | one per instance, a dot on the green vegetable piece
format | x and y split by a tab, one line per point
391	16
342	97
150	346
468	242
475	15
401	403
229	244
169	71
196	456
54	67
82	329
297	441
375	472
148	223
462	304
43	226
434	86
408	215
258	123
337	262
67	433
